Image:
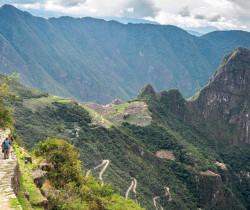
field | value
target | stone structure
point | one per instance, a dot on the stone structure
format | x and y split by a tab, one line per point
39	177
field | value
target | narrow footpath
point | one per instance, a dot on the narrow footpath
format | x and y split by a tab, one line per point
7	168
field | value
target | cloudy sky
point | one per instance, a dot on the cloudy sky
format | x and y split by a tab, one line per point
223	14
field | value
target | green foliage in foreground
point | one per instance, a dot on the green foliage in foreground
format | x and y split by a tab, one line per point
5	97
66	175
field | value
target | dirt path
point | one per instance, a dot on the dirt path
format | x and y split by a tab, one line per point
166	194
134	188
88	172
6	172
132	185
104	162
154	200
128	190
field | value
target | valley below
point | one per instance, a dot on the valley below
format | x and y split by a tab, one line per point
160	150
123	116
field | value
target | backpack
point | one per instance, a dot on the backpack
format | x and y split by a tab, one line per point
6	144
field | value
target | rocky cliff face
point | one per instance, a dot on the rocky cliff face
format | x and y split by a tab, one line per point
224	103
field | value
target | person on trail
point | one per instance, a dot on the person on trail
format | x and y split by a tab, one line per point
6	148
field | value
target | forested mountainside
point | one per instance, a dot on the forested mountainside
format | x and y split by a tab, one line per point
159	150
95	60
223	104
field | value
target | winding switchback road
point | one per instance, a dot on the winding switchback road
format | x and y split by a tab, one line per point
166	194
104	162
133	184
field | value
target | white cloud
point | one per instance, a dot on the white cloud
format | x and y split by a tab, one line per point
200	17
184	12
224	14
215	18
133	8
130	9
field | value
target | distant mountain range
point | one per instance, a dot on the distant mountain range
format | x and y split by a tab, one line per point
95	60
199	31
130	20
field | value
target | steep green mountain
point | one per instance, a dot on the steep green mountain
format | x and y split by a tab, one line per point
176	159
223	105
95	60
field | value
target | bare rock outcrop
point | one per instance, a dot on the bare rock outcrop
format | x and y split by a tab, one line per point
39	177
224	103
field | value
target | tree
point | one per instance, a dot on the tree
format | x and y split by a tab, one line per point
5	98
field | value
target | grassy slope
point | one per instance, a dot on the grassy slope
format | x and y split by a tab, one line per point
27	183
129	148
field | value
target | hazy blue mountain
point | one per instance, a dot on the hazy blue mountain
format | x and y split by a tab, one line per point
194	33
201	30
125	20
95	60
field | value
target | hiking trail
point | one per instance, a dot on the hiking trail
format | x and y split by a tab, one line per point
7	171
104	162
166	194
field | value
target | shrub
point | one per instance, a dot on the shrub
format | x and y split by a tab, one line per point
5	97
64	160
84	192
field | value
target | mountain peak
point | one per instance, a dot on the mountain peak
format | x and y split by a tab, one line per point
147	90
8	7
241	49
236	60
8	10
238	53
227	95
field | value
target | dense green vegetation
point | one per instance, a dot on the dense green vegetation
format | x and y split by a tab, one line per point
131	149
204	171
95	60
6	97
27	183
84	192
65	176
